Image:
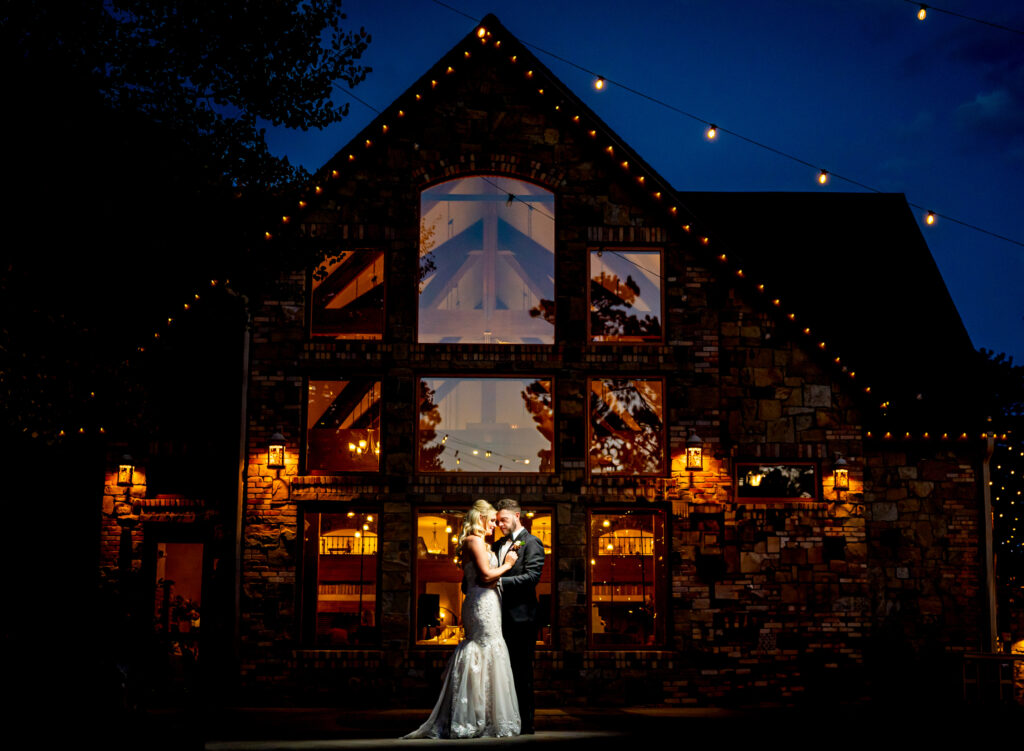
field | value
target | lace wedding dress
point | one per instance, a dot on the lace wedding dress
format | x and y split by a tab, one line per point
478	697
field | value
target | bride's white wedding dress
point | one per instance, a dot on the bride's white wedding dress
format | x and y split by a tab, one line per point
478	697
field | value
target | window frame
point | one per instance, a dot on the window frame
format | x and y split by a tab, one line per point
310	291
666	464
554	256
309	581
661	587
661	290
304	439
478	377
550	565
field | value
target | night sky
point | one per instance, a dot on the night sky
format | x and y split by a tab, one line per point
933	109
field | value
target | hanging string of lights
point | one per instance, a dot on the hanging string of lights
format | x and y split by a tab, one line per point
923	10
712	131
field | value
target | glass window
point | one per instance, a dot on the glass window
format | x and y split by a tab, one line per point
341	558
487	268
348	296
343	426
439	577
625	295
776	481
486	425
628	580
627	426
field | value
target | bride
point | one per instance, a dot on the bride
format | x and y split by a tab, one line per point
478	696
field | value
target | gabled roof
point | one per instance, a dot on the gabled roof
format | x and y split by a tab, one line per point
853	268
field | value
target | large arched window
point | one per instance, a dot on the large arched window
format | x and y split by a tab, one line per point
487	269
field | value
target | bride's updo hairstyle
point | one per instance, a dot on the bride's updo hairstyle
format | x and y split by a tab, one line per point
474	524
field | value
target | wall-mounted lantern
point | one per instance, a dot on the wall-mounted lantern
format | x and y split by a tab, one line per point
275	451
694	453
842	474
125	471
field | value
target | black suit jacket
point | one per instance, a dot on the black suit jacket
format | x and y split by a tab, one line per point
519	584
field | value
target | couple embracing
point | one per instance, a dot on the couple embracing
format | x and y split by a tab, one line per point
488	684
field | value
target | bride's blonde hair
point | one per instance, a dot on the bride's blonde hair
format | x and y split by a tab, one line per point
474	523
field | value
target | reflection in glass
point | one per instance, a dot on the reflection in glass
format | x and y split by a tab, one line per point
625	296
343	426
627	426
348	296
486	425
346	577
627	571
487	267
794	481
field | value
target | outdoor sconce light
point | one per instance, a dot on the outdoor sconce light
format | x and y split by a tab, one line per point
842	474
694	453
275	452
125	471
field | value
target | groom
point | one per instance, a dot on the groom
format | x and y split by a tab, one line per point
519	602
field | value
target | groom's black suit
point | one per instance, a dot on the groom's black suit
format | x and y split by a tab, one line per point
519	618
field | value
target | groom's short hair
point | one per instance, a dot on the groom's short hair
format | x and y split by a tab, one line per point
508	504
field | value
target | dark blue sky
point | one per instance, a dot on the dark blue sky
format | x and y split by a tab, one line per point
931	109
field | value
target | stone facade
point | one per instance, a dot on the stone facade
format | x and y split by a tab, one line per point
766	601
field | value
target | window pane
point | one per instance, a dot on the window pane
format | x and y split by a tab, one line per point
541	525
343	426
627	578
438	578
487	269
627	433
346	578
486	425
625	295
348	296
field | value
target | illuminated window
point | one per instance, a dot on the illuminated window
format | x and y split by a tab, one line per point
625	295
627	426
340	569
627	585
439	577
343	426
347	300
486	425
487	269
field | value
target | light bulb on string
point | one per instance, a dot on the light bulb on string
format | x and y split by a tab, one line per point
711	132
599	83
823	177
922	13
929	218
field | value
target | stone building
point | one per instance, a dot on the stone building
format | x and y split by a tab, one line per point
739	422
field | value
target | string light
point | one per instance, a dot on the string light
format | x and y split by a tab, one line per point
823	177
712	132
922	13
599	83
929	218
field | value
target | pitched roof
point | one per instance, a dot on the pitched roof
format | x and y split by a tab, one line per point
857	271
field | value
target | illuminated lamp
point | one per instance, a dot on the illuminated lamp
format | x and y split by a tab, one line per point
599	83
922	13
481	32
711	132
929	218
275	451
842	474
694	453
823	177
125	471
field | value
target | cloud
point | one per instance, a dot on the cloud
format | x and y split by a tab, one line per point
998	114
